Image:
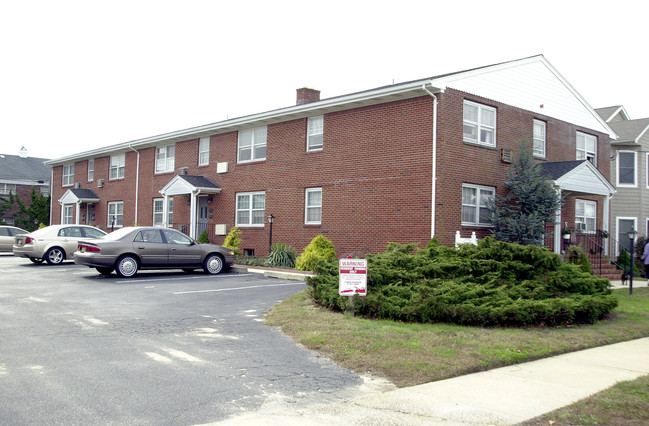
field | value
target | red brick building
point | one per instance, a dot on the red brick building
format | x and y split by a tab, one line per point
398	163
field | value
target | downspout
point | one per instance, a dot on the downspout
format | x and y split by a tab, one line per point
51	193
137	181
433	203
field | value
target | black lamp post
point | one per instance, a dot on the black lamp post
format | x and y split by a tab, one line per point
632	234
270	236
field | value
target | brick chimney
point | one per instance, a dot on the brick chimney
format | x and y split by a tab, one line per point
306	95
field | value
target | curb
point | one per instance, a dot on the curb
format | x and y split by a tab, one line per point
280	274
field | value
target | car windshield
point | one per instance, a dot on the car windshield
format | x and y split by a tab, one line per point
117	234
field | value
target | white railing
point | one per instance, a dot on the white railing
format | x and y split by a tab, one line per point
459	240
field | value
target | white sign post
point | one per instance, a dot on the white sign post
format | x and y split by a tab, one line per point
353	279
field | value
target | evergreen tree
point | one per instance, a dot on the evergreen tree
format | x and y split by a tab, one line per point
38	211
530	201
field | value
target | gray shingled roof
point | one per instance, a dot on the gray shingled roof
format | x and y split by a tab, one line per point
629	130
84	194
606	112
556	169
13	167
200	181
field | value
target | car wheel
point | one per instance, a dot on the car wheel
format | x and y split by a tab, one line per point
188	271
126	266
213	264
36	260
55	256
104	271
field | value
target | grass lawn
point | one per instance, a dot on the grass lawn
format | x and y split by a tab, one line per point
411	354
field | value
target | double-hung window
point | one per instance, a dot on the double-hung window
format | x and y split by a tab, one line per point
6	188
68	175
158	211
165	158
475	210
539	138
68	214
117	165
315	131
313	206
252	145
479	123
115	214
91	170
586	215
626	169
204	151
251	207
587	148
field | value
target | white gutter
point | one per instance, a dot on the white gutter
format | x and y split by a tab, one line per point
433	200
137	180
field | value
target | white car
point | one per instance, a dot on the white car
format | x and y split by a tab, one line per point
53	244
7	239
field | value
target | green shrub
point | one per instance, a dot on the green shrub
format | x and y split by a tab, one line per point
577	256
233	240
320	248
250	260
492	284
203	238
281	256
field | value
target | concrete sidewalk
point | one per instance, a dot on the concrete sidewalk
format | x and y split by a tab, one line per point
503	396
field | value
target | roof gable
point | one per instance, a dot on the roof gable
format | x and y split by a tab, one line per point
613	113
532	84
578	176
630	131
77	195
187	184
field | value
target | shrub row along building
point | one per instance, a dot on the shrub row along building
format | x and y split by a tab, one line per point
402	163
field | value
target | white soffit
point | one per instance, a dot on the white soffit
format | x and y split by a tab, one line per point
587	179
530	84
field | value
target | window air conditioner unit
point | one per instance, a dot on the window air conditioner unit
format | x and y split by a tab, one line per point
100	183
183	170
507	155
77	185
581	226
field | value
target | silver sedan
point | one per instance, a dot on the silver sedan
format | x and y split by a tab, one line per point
130	249
7	239
53	243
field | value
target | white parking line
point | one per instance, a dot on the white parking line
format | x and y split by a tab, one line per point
137	280
237	288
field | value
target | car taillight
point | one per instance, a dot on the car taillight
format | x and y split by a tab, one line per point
29	240
87	248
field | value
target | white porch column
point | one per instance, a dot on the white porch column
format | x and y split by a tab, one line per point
62	213
165	213
558	240
78	213
192	215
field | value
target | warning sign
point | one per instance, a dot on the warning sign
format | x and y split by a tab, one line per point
353	277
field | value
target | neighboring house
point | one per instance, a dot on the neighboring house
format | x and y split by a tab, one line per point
401	163
18	175
629	174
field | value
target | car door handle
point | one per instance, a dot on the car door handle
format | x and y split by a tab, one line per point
141	248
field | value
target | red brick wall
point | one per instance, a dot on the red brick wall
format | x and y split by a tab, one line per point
375	173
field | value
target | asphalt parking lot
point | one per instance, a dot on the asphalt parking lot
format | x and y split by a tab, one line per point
159	348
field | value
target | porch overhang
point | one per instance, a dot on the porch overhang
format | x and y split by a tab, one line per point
78	196
190	185
578	176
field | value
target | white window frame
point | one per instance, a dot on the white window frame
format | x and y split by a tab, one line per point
67	178
45	191
116	208
634	184
539	135
585	153
91	170
250	209
204	151
647	173
309	205
158	211
68	214
258	140
165	158
315	133
480	203
5	188
584	218
479	125
117	166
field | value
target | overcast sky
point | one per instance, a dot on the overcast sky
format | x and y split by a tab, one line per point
79	75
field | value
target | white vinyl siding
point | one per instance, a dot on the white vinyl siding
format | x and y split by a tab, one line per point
68	175
165	158
587	148
474	204
252	145
204	151
158	212
315	133
117	166
539	138
251	207
626	169
479	124
586	216
68	214
313	206
91	170
116	210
